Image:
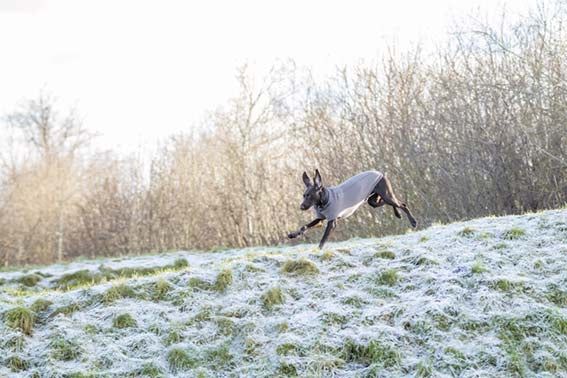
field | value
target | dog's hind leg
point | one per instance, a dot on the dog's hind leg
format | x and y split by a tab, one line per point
376	201
396	212
384	190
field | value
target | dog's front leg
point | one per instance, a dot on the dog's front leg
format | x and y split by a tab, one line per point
313	223
328	230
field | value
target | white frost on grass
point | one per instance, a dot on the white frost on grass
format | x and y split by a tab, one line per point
364	313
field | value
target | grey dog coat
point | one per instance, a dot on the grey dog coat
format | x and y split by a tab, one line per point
345	198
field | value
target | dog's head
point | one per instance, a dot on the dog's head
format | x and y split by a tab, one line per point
312	194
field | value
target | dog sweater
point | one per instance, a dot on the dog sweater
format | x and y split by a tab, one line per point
345	198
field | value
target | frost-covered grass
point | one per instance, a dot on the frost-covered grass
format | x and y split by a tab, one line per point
487	297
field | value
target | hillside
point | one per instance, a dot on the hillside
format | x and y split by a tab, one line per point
486	297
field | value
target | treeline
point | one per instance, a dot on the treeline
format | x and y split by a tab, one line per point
478	127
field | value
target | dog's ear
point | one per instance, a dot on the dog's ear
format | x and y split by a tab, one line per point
317	180
306	180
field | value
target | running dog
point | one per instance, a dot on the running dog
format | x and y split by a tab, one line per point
342	200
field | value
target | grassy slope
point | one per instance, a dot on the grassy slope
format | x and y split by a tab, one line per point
486	297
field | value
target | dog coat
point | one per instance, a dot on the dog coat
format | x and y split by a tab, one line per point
345	198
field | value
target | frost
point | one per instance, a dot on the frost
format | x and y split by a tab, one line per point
486	297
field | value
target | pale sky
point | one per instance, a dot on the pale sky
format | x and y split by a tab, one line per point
137	71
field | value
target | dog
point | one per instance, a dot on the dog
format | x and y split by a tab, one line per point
342	200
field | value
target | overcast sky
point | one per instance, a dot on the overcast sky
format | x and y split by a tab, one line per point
140	70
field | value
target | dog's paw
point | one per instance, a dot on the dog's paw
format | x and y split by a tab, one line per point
413	223
292	235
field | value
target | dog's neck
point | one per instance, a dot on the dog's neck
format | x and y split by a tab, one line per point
323	198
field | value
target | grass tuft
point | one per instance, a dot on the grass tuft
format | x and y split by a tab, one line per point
179	359
375	352
423	239
557	296
282	327
288	348
174	337
478	266
388	277
20	318
78	278
16	343
500	246
124	321
224	279
90	329
386	255
355	301
40	305
180	263
117	292
200	283
64	350
287	369
326	256
514	233
466	232
29	280
147	370
17	363
220	355
301	266
67	309
225	326
505	285
161	288
272	297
